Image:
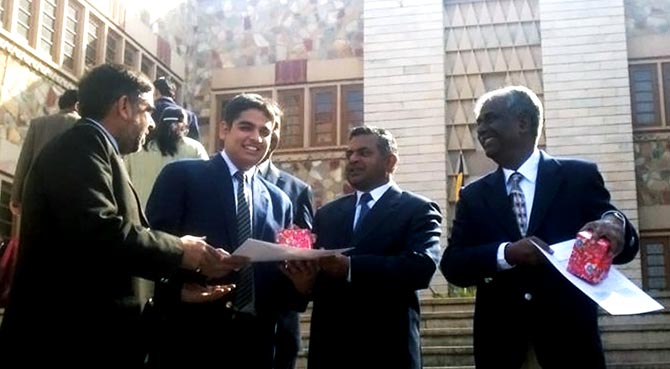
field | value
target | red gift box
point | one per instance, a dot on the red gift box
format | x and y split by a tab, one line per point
296	237
590	259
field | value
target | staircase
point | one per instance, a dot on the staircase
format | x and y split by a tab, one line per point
631	342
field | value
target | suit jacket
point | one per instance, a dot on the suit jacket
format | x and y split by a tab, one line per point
298	191
524	303
163	102
197	197
288	326
40	132
83	238
373	321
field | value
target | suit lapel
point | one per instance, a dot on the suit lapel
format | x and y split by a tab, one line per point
549	179
260	201
225	201
498	201
382	209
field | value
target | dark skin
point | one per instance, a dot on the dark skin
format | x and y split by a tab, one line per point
509	140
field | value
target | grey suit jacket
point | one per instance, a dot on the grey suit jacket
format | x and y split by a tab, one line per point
41	131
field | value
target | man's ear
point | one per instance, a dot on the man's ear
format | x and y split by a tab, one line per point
223	130
123	107
391	162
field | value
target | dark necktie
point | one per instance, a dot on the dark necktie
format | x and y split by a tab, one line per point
244	297
518	202
363	203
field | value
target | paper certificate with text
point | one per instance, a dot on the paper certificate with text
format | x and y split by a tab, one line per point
616	293
260	251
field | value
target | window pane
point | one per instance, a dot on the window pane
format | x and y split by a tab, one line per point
48	26
656	284
644	95
70	35
292	104
130	56
113	42
352	109
324	127
92	43
24	17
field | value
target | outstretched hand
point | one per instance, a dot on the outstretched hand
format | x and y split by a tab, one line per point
612	230
196	293
302	273
525	252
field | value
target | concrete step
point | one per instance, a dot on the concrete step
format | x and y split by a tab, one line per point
448	356
641	365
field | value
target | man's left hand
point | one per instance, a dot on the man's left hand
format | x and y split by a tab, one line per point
335	266
612	229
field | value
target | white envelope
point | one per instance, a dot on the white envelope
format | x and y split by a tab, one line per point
259	251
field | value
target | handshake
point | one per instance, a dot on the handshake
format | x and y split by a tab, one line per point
210	263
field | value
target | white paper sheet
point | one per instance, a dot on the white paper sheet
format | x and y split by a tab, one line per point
260	251
616	293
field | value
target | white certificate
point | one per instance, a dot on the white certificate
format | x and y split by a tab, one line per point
259	251
616	293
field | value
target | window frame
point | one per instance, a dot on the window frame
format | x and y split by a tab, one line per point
657	88
301	117
313	91
345	125
644	242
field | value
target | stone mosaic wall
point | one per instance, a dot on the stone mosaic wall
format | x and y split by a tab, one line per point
652	166
325	177
26	93
645	17
218	34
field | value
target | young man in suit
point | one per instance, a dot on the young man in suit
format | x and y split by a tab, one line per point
84	237
366	310
287	337
531	200
225	200
40	131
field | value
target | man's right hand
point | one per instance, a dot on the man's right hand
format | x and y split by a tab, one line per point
525	252
207	260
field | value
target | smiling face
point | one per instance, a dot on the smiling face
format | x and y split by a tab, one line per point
367	167
502	135
247	138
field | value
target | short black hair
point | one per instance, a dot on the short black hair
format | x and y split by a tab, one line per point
243	102
165	86
68	99
103	85
385	142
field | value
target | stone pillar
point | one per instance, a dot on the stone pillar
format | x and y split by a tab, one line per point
403	68
587	95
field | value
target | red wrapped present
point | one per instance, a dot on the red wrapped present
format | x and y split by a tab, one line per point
590	259
296	237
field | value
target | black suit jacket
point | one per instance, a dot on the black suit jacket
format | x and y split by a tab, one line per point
83	238
525	304
373	321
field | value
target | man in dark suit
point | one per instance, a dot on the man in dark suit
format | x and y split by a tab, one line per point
41	131
287	338
522	300
164	94
205	198
84	237
366	310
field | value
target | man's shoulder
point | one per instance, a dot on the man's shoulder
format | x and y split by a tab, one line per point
295	181
275	192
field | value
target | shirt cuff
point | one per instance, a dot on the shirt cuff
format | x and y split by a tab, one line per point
502	263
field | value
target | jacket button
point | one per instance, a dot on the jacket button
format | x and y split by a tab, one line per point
229	304
528	296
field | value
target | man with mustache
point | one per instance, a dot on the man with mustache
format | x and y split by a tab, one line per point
530	201
84	237
366	308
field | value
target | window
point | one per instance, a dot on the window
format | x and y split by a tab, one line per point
3	6
292	103
352	109
24	18
160	72
655	259
324	118
94	27
644	95
48	26
113	44
70	31
147	66
130	55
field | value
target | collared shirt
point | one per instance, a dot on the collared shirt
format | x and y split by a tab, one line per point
376	194
104	131
249	178
529	172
